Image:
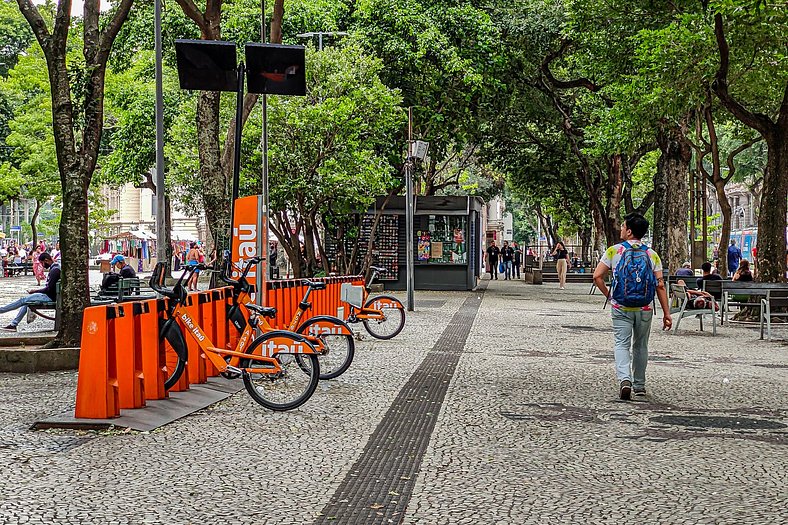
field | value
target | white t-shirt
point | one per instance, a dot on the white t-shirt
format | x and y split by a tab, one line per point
611	258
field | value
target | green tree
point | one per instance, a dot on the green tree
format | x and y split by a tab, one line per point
77	118
33	161
329	150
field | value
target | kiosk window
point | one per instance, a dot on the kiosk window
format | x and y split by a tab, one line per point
444	241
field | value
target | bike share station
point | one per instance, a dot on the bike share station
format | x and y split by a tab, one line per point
149	362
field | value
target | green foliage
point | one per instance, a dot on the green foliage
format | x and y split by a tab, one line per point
329	150
15	35
130	119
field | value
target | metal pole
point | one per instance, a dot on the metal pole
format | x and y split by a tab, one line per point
239	102
264	273
161	219
409	212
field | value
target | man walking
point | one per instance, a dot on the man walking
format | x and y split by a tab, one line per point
637	278
507	256
492	259
47	293
734	257
518	260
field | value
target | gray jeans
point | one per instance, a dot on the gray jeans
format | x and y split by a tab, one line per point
630	334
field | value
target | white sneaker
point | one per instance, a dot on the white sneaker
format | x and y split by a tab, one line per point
31	316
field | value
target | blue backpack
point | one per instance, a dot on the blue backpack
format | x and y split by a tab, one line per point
634	283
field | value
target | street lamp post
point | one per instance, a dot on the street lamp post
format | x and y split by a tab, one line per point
319	35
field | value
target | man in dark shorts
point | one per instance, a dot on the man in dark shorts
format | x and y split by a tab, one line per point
493	252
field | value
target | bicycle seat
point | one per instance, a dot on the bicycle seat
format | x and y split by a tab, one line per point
378	269
265	311
315	285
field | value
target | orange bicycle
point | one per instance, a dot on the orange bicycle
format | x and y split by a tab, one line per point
267	365
331	337
383	315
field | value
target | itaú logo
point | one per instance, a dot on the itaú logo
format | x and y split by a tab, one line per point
317	330
246	237
384	303
285	346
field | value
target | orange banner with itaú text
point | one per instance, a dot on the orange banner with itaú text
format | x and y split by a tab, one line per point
247	237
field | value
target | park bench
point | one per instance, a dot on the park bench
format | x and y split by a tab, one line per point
690	281
741	294
679	301
126	289
12	269
775	299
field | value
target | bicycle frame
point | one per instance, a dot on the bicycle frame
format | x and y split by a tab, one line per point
216	355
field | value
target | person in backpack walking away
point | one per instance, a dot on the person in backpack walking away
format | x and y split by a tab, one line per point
637	279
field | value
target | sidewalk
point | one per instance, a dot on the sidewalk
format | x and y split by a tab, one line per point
530	431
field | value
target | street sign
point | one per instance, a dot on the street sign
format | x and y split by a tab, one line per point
16	228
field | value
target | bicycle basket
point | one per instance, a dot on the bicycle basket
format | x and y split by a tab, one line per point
353	295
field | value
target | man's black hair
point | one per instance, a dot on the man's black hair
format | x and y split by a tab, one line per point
706	267
637	224
44	256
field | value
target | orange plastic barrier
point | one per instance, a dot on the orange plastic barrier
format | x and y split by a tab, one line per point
97	382
146	336
196	360
128	355
206	321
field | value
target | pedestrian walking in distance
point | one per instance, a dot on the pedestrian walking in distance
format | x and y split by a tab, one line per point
518	260
492	259
507	258
637	278
561	257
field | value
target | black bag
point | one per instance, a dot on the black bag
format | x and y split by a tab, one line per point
109	280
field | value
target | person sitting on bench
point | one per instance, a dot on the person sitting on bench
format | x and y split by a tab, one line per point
124	270
45	294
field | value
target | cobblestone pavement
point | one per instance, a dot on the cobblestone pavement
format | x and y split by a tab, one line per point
530	431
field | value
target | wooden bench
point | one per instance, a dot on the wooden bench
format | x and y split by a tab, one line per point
773	299
737	293
679	300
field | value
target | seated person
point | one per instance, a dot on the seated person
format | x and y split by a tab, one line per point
708	276
47	293
124	270
685	270
743	273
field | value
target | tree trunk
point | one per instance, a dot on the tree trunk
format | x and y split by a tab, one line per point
215	194
34	221
671	204
771	217
75	292
585	242
725	234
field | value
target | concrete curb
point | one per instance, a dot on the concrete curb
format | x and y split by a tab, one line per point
29	359
26	339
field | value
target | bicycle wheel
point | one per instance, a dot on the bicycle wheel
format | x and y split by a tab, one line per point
174	347
393	317
279	383
337	337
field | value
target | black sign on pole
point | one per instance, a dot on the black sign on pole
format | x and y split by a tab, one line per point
274	69
207	65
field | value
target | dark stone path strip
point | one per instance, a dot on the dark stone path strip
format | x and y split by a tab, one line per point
378	487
